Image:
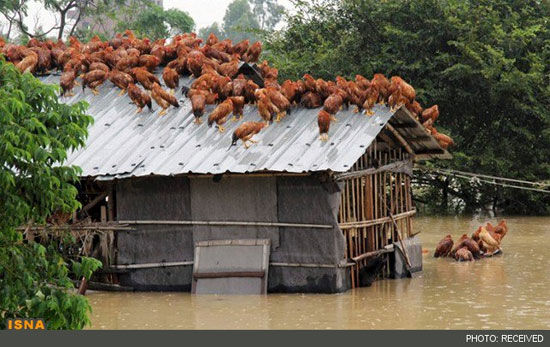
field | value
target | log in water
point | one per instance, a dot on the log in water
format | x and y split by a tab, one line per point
509	291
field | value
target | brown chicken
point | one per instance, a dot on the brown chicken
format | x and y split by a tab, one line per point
501	228
99	66
163	98
333	103
121	80
490	242
240	48
401	93
144	77
245	132
238	106
266	108
362	82
127	63
372	96
67	81
430	113
444	247
464	254
415	109
381	84
171	78
291	91
93	79
198	103
29	62
220	113
279	100
229	69
253	52
311	100
323	120
148	61
443	140
139	97
212	39
465	241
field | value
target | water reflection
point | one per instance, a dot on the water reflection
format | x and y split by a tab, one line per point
506	292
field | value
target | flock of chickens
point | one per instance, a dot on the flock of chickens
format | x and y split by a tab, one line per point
485	241
127	61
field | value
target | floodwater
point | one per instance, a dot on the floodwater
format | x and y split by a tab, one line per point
510	291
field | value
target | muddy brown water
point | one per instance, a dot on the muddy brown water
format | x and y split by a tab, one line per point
510	291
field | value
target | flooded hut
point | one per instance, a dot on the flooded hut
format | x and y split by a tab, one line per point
162	185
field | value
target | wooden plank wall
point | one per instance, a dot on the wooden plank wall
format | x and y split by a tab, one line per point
363	215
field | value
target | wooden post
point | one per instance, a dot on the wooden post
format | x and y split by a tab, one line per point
103	210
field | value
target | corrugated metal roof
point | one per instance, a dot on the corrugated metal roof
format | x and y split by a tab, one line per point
122	143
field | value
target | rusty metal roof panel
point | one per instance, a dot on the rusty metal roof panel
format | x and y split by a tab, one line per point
122	143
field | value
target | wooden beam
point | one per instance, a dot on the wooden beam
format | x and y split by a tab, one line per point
226	223
94	202
378	221
400	138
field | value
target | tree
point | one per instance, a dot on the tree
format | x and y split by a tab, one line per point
486	63
36	131
68	14
150	20
214	28
239	22
268	13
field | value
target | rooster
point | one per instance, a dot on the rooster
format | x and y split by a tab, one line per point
139	97
163	98
220	113
171	78
245	132
323	120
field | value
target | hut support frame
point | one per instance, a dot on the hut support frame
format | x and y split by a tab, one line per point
373	184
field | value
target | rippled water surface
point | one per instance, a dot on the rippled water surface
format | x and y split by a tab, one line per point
510	291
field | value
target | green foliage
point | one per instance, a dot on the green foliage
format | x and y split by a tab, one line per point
246	19
86	267
239	22
149	20
36	131
486	63
268	13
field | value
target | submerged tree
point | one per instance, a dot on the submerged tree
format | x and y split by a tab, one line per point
36	131
486	63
